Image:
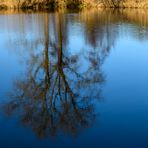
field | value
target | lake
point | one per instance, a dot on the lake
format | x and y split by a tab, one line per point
74	79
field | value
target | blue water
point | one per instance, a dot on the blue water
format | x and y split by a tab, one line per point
74	79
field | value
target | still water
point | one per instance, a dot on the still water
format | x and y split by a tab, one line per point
74	79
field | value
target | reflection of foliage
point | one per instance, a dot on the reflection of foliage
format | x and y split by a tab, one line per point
56	95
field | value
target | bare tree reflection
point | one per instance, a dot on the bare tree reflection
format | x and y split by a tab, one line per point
57	95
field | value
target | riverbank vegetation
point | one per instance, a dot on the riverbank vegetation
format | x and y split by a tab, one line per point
46	4
72	4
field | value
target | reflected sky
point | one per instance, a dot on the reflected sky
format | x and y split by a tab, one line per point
74	79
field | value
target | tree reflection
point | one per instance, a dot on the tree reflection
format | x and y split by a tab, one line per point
59	89
57	95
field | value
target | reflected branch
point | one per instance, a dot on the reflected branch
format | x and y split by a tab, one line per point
55	96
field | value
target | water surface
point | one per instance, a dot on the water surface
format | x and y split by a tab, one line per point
74	79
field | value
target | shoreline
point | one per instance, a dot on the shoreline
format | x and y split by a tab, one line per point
71	4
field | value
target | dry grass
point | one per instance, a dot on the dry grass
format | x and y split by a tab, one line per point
46	3
72	3
136	3
125	3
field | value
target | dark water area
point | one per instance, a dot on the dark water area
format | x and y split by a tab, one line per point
74	79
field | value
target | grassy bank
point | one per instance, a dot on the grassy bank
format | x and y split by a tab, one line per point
71	4
125	3
46	4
